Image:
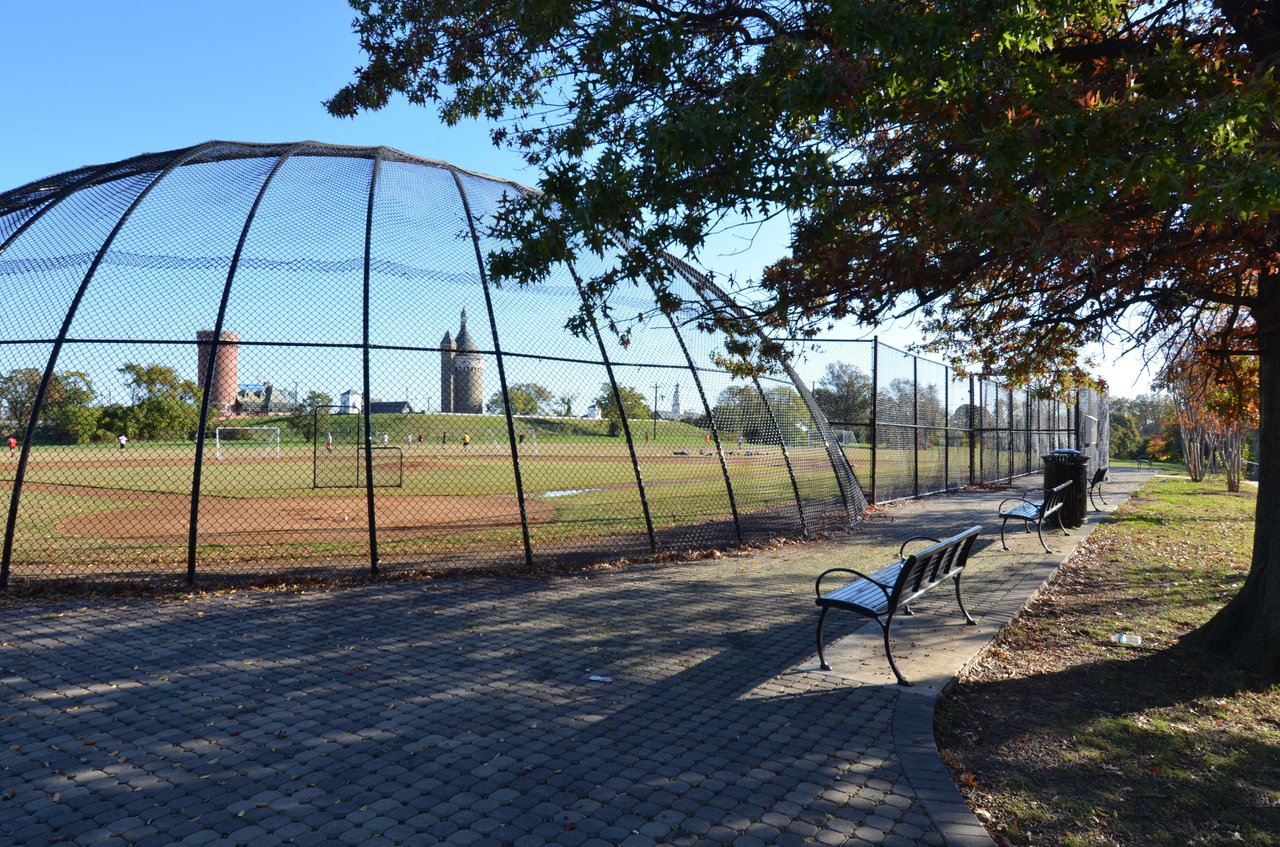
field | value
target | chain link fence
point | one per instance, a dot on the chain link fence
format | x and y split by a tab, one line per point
910	426
270	361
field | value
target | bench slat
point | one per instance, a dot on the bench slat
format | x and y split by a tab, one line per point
862	593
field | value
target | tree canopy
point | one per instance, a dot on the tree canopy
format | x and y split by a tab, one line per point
633	404
844	395
1020	173
527	398
165	405
1025	176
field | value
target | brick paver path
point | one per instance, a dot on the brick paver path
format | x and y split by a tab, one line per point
645	706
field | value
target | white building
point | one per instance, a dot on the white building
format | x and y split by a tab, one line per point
350	402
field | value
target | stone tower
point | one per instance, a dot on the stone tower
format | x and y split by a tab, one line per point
226	370
468	373
446	372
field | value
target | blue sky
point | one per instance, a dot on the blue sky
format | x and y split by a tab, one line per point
94	82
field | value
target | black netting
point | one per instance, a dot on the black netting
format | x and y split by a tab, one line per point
369	398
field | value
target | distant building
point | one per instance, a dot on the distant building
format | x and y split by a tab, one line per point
390	407
350	402
592	413
461	373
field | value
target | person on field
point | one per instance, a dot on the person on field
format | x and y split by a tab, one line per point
124	440
13	446
328	442
466	441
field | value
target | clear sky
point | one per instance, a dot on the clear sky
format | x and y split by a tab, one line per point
88	82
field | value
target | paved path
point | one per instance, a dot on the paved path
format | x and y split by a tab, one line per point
656	705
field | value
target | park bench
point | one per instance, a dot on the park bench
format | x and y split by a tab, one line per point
881	595
1095	484
1029	511
1146	460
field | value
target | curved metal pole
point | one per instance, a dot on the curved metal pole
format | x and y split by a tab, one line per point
622	415
701	284
368	416
502	373
711	420
215	344
840	466
38	402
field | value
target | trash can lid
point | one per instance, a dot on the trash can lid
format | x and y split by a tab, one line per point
1065	451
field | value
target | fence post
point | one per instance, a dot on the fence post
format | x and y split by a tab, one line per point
915	425
502	372
972	427
202	429
364	347
875	403
1009	404
946	429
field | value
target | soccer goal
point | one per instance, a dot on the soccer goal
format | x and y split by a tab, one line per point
258	442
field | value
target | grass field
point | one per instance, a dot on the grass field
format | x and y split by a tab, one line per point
1060	736
123	510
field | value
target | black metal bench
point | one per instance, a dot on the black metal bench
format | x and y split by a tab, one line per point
1032	512
1147	460
880	595
1095	484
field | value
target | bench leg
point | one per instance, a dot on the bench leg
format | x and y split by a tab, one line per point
822	618
1040	535
888	652
1002	523
960	600
1098	488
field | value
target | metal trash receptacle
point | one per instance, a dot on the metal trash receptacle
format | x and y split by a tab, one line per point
1067	464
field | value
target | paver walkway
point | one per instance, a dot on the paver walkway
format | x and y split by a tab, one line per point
660	704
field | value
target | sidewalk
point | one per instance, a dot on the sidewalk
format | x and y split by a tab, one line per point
656	705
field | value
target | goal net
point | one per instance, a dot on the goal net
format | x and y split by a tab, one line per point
257	442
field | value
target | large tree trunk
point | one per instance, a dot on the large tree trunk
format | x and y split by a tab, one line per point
1247	630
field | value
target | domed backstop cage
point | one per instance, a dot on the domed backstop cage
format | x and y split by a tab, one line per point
260	360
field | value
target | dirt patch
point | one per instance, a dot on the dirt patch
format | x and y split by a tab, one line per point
167	516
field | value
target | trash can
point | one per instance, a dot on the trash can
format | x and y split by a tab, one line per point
1067	464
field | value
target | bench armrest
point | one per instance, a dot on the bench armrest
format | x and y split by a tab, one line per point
903	548
1000	508
817	585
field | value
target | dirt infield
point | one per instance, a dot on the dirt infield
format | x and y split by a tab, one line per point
167	516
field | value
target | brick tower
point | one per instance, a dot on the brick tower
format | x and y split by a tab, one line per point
468	373
226	370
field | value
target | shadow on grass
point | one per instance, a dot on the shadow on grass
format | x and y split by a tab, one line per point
1166	747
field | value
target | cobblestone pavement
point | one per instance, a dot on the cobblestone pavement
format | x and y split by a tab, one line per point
656	705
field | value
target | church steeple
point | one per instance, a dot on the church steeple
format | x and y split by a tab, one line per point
465	342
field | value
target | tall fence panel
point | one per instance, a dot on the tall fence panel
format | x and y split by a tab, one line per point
911	427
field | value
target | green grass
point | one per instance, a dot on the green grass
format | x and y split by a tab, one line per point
1067	738
66	482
